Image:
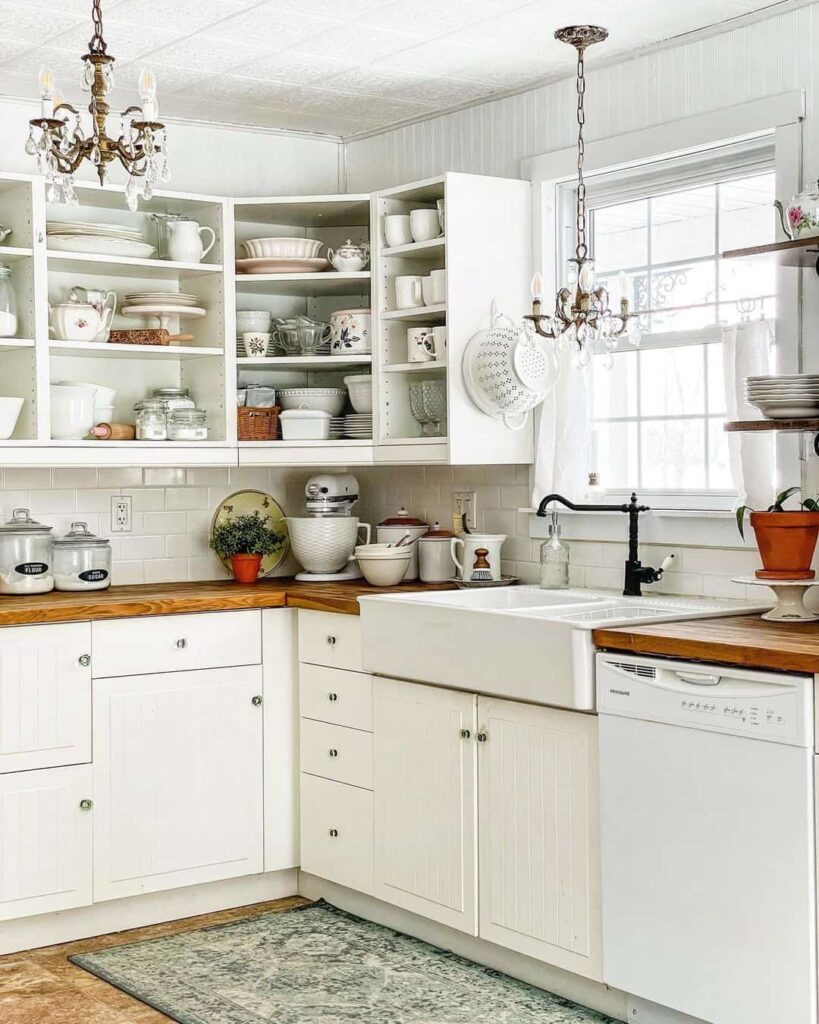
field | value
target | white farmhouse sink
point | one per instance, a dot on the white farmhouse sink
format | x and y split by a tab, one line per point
518	642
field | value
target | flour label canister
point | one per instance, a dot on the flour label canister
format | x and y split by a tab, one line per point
26	555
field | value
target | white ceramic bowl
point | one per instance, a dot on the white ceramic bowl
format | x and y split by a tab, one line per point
9	414
283	248
381	551
360	387
324	399
322	545
72	412
252	320
382	569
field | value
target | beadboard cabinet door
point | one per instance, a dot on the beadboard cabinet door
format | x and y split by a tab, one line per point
45	841
178	776
45	696
539	833
425	801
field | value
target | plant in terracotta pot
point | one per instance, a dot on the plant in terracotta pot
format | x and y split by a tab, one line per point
245	540
786	538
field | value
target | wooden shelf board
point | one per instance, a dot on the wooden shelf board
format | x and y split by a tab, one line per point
417	313
303	362
127	266
808	425
99	350
329	282
797	252
420	249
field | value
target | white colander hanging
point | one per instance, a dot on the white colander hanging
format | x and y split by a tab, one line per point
507	371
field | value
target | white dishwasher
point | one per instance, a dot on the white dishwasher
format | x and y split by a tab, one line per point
708	840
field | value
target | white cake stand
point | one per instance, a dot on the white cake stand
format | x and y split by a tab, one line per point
790	598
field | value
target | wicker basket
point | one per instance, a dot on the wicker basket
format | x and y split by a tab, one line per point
256	424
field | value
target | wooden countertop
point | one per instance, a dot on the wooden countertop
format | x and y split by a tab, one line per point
171	598
746	640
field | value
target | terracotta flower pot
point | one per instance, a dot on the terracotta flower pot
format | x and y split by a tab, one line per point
786	542
246	567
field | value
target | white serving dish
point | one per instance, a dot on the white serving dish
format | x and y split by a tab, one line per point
329	400
282	265
9	414
305	425
100	245
282	248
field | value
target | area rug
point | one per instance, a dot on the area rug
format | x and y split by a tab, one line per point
319	965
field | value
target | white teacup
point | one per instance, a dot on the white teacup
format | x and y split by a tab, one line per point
420	345
397	229
425	225
408	292
79	321
438	286
256	343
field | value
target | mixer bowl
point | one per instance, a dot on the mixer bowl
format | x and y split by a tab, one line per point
323	544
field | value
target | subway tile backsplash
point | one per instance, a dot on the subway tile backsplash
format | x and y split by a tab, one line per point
172	510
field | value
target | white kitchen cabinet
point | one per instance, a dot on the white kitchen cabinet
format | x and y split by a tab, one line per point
337	832
178	776
539	833
425	801
45	696
45	841
281	738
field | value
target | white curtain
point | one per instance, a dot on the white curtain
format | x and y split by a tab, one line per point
747	351
564	440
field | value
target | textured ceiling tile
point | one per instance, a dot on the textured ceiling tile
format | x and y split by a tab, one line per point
351	8
207	53
429	17
294	66
192	15
434	58
169	78
359	42
124	43
273	30
19	20
380	80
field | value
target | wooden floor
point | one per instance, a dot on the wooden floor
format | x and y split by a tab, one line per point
42	987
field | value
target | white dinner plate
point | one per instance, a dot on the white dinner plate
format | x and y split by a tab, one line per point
165	309
100	246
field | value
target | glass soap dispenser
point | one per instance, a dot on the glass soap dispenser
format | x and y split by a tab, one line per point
554	559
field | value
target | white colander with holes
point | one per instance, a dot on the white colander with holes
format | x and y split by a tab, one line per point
507	371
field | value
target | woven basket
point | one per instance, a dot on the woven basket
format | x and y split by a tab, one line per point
258	424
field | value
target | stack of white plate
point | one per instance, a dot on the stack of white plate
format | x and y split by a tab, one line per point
337	428
100	239
795	396
161	298
358	426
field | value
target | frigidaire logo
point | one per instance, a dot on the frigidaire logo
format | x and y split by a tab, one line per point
621	693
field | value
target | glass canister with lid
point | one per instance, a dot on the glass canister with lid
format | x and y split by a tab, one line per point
174	398
82	561
26	554
188	425
151	423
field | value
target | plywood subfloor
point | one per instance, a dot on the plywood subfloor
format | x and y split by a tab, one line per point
42	987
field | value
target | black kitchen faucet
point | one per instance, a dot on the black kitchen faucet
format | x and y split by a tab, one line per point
636	573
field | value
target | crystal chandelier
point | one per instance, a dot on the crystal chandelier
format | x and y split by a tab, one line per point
582	316
58	141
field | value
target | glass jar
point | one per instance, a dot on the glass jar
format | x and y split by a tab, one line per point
26	554
82	561
174	398
188	425
554	559
8	305
151	424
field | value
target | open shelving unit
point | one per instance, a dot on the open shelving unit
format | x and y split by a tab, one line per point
794	252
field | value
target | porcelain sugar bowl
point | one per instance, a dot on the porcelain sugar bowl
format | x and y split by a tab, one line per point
349	257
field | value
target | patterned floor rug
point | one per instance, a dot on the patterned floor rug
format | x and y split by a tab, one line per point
319	965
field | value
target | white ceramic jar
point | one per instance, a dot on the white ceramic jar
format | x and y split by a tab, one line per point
26	555
435	561
396	527
480	554
82	561
350	331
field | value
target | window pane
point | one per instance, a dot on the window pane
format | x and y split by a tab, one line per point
672	381
673	454
719	469
744	279
750	309
615	391
615	454
621	235
683	224
746	213
716	379
683	285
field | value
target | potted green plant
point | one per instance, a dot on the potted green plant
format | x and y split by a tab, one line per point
245	540
786	538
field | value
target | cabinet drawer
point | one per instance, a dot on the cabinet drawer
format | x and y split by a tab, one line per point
45	696
336	696
333	752
330	638
337	832
176	643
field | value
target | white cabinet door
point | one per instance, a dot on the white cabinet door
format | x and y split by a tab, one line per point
178	778
45	696
539	833
45	841
337	832
424	779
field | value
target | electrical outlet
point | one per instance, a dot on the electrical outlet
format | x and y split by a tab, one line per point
464	503
121	513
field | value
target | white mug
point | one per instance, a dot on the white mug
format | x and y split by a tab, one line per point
424	225
420	345
408	292
439	342
481	554
426	290
438	286
397	229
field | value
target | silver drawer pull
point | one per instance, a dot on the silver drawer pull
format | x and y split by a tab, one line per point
331	640
181	643
332	752
465	734
332	697
256	701
481	737
86	805
85	660
333	833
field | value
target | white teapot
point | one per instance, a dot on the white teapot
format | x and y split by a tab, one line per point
349	257
78	321
185	243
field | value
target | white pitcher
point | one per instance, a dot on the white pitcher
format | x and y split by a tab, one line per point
481	553
185	243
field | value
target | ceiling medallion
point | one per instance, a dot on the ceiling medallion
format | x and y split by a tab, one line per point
582	316
61	145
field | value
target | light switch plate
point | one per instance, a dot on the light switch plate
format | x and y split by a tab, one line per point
464	502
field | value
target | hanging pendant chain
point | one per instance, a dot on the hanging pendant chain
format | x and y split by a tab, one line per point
97	44
582	249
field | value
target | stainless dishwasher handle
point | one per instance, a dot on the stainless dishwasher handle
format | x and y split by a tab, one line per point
699	678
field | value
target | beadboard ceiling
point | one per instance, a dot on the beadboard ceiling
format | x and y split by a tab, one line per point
332	66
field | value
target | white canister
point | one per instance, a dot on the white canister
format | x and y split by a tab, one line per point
396	527
480	555
435	561
350	331
408	292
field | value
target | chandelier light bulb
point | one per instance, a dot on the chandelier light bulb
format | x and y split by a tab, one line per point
147	93
537	287
585	276
46	83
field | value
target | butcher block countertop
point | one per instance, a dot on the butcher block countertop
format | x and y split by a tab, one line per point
171	598
746	640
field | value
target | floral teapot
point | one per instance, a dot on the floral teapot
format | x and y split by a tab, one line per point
349	257
802	215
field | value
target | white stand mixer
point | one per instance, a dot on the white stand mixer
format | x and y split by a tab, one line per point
324	540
